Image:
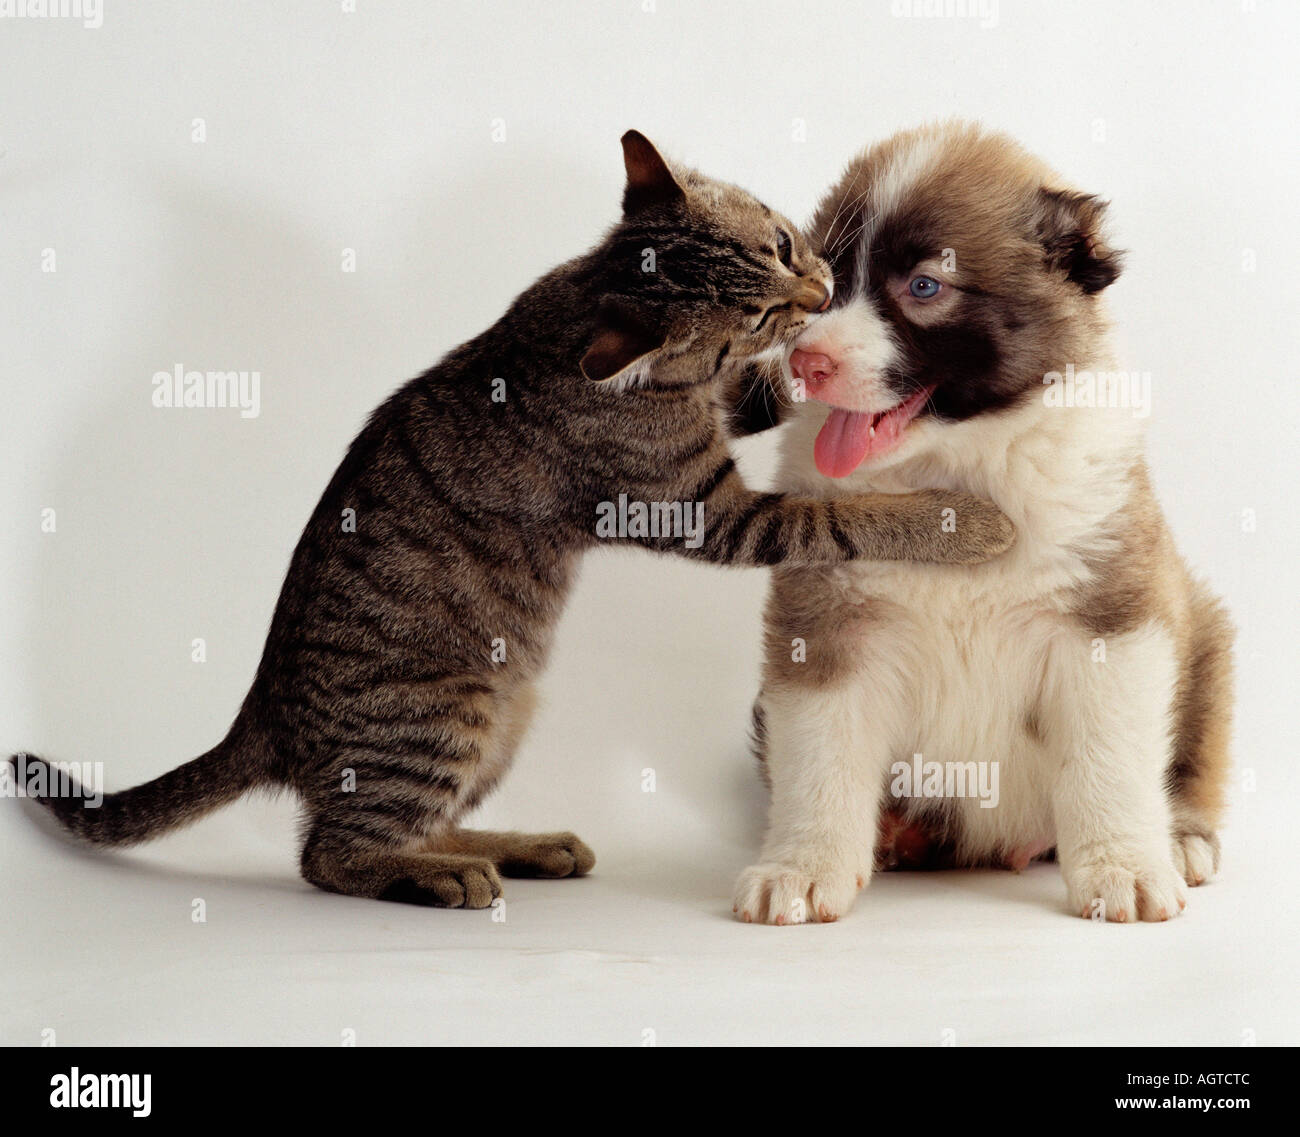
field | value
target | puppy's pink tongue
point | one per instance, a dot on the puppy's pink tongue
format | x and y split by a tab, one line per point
843	442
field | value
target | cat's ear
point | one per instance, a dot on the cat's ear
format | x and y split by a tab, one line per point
1068	225
649	180
621	339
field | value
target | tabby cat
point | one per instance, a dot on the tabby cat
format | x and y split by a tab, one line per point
419	607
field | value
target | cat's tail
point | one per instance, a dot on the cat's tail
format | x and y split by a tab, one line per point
180	796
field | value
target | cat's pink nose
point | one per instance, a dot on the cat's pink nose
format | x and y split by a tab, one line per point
812	367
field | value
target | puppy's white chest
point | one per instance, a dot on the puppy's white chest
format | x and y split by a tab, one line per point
972	666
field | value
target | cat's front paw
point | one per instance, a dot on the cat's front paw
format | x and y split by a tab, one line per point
975	530
1126	888
776	893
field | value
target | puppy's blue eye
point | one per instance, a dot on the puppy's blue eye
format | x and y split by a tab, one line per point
924	287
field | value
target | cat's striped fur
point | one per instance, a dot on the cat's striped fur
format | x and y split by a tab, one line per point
418	610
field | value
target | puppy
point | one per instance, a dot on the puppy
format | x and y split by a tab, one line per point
1084	675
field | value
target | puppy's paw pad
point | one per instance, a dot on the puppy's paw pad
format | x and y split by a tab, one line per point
775	893
1196	858
1125	894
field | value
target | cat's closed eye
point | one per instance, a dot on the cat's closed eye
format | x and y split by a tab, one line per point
784	249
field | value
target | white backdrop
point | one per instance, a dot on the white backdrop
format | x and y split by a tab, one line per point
459	149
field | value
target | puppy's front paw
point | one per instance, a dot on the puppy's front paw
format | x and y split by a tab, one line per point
1126	889
775	893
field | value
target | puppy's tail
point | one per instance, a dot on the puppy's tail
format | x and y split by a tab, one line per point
224	773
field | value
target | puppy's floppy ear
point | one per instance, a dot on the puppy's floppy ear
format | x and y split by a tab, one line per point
649	180
621	338
1068	224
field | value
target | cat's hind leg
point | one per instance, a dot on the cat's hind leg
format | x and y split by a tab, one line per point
545	855
335	863
370	818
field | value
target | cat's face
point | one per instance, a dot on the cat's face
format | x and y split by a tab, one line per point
699	267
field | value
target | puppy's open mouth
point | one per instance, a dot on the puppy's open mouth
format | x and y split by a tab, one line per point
849	438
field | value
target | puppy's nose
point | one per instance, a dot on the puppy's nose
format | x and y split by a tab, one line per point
812	367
